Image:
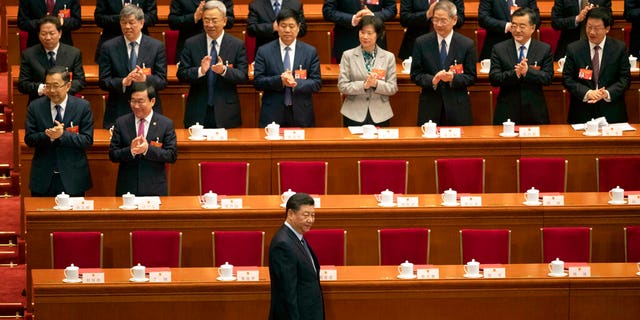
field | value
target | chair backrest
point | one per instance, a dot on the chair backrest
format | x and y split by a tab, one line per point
627	34
303	176
250	44
545	174
83	249
396	246
375	176
228	178
570	244
618	171
487	246
495	92
239	248
23	38
480	35
464	175
550	36
156	248
170	38
632	244
329	245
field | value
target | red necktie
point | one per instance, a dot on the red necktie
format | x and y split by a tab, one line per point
595	64
50	4
141	128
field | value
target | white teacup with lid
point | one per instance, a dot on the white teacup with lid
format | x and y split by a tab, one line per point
210	199
472	268
532	196
449	197
72	273
196	130
591	127
138	273
508	127
286	195
128	200
617	195
429	129
385	197
632	61
405	269
561	63
63	200
556	267
225	271
272	130
406	65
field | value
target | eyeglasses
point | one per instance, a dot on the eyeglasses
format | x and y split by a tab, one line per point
594	28
54	86
520	26
138	101
440	21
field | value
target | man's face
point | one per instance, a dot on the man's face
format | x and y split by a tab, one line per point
55	88
521	29
596	30
442	23
131	27
214	22
49	36
288	30
303	219
140	104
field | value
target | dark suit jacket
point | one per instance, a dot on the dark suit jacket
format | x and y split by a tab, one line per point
181	18
295	285
448	103
107	15
345	35
227	103
413	16
632	14
69	149
614	75
30	12
261	18
267	71
114	66
34	64
521	99
493	15
143	175
563	18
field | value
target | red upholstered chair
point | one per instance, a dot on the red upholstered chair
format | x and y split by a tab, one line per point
464	175
11	310
618	171
170	38
303	176
485	245
626	31
250	44
550	36
632	244
23	39
330	42
545	174
228	178
495	92
156	248
396	246
239	248
480	35
329	245
83	249
570	244
378	175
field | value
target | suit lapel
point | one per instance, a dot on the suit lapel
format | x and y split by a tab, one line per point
605	52
298	58
143	53
43	58
69	112
507	10
269	9
360	67
152	133
45	112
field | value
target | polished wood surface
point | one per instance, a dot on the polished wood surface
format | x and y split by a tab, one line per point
361	292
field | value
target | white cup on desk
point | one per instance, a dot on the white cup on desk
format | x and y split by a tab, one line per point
561	63
196	130
225	271
405	269
472	268
532	195
617	194
406	65
210	199
449	197
508	127
591	127
272	130
128	199
429	129
485	65
286	195
556	266
138	272
385	197
63	200
72	273
632	61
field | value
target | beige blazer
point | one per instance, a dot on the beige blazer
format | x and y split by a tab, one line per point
357	100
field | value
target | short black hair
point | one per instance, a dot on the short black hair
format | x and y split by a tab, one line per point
141	87
288	13
64	73
533	16
376	22
297	200
603	14
50	19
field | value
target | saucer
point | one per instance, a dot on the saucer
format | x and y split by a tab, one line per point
473	276
133	207
430	136
374	136
273	138
409	71
616	202
527	203
508	135
72	281
62	208
201	138
451	204
638	273
380	204
558	275
484	70
591	134
634	69
138	280
413	276
204	206
226	279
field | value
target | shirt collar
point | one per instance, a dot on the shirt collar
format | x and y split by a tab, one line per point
55	50
286	223
447	38
218	39
138	40
62	104
526	44
147	119
601	44
282	45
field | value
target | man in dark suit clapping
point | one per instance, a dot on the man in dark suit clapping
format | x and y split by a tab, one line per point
495	17
262	24
66	11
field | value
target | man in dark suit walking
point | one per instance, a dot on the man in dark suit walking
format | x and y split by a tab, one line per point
36	60
213	72
495	17
262	24
444	65
143	142
346	14
134	57
288	71
293	267
569	16
596	72
60	128
66	11
520	67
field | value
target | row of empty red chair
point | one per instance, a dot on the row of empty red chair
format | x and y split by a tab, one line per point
246	248
461	174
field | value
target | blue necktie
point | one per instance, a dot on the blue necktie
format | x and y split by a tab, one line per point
276	8
287	66
521	54
133	57
211	76
509	4
52	61
443	52
58	113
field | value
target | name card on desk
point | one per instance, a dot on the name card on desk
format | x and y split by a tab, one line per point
611	131
471	201
316	202
556	200
82	205
148	205
428	273
231	203
160	276
93	277
529	131
407	202
580	271
495	273
247	274
217	134
328	273
388	133
450	132
634	199
294	134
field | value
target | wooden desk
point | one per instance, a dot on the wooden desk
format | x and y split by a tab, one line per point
363	292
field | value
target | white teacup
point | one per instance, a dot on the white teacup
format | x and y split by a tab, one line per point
406	64
508	127
128	199
561	63
632	61
485	64
429	129
385	197
63	200
532	195
196	130
472	267
369	130
591	127
406	269
272	130
556	266
449	196
286	195
210	199
616	194
225	271
72	273
138	272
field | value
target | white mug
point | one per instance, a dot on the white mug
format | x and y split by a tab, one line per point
556	266
406	269
137	272
429	128
128	199
272	130
632	61
286	195
72	272
385	197
406	64
508	127
561	63
638	266
472	267
63	200
591	127
532	195
210	199
449	196
369	130
226	270
616	194
485	64
196	130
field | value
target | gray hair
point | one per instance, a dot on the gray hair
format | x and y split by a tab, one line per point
447	6
131	9
215	4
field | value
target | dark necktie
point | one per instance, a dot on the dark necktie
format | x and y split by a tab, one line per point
276	8
306	248
133	57
595	64
443	52
50	5
52	61
509	4
211	76
59	113
521	54
288	100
